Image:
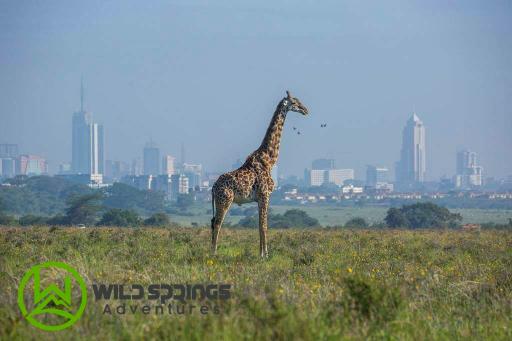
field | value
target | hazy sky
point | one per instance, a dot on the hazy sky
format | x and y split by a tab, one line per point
209	73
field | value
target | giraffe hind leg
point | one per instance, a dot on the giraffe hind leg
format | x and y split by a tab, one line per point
263	216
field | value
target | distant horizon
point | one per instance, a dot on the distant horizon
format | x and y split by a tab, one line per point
54	169
209	75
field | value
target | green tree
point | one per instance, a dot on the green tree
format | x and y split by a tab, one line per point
58	219
33	220
126	197
7	220
422	215
39	195
291	218
84	209
396	218
250	221
356	222
119	217
185	201
4	218
158	219
294	218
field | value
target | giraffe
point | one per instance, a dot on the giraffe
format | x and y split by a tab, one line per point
253	181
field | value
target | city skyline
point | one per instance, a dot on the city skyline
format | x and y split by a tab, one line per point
410	171
361	69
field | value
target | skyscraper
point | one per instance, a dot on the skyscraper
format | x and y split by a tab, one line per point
469	174
101	151
87	142
96	145
81	150
179	185
410	170
32	165
151	159
323	171
9	161
168	165
137	167
339	176
194	173
376	175
318	177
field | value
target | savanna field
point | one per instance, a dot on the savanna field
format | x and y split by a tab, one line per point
316	284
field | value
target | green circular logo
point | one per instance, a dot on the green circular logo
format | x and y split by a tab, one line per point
56	299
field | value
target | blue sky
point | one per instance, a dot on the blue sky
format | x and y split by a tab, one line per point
210	74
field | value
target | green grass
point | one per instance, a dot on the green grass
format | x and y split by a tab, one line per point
333	215
317	284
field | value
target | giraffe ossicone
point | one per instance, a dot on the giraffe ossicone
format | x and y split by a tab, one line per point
252	182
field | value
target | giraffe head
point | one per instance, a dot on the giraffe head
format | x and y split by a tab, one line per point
293	104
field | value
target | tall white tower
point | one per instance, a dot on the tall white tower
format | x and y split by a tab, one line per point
411	168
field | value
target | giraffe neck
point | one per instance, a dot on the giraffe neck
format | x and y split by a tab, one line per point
272	139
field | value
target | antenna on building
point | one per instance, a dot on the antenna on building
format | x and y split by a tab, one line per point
82	93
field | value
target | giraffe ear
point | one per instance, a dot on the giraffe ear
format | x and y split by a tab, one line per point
288	94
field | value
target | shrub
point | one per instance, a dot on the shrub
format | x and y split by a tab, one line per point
7	219
58	219
496	226
356	222
371	300
119	217
185	201
33	220
396	218
157	219
294	218
291	218
4	218
422	215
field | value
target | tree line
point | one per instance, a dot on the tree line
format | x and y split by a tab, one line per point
47	196
87	210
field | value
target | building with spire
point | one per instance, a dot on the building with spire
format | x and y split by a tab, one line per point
87	142
410	170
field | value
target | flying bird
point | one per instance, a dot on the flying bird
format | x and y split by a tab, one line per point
323	125
294	128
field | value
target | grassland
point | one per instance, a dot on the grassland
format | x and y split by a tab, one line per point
316	284
336	215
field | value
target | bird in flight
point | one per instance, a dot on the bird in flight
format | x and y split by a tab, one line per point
323	125
294	128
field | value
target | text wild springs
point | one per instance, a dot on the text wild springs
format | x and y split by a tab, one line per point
170	298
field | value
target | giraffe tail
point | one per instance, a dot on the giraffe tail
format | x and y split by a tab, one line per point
213	210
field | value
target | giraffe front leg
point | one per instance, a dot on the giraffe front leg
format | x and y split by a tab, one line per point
263	216
217	224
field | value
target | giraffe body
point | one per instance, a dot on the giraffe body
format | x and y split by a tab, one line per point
252	182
